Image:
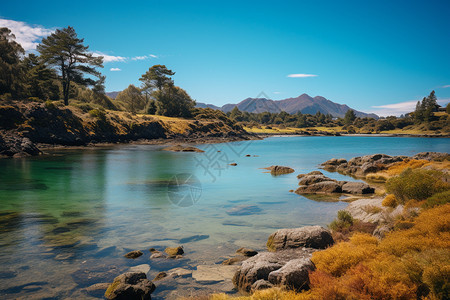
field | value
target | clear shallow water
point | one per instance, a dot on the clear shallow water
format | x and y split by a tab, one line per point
66	220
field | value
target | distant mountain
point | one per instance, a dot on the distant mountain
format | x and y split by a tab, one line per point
112	95
303	103
204	105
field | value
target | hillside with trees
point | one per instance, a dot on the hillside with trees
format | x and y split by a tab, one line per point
58	97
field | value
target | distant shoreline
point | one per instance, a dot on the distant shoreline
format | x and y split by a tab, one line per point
264	135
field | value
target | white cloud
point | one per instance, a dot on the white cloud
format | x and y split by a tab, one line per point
115	69
144	57
154	56
401	108
301	75
28	36
109	58
446	86
277	92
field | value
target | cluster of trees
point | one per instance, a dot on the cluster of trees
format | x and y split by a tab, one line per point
61	66
298	120
157	95
424	110
65	69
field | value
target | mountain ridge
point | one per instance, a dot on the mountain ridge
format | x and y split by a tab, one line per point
303	103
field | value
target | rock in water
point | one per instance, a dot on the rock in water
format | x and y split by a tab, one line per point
194	238
133	254
244	210
179	148
246	251
324	187
309	236
214	273
174	251
160	276
130	286
279	170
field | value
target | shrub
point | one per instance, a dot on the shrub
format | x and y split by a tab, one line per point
390	201
437	199
96	113
398	167
416	184
344	220
342	256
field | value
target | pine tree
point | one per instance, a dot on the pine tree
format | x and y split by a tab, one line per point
64	51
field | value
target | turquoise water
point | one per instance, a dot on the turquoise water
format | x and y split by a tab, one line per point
67	219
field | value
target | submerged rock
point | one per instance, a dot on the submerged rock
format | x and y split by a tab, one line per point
194	238
130	285
144	268
179	148
133	254
234	260
160	276
309	236
244	210
214	273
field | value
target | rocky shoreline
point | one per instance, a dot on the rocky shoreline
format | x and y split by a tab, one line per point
28	129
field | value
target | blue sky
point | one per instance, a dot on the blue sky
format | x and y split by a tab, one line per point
378	56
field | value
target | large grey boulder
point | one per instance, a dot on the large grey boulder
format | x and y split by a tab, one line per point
311	179
324	187
315	237
357	188
130	286
260	271
294	274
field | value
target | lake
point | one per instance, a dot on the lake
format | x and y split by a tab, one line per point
67	219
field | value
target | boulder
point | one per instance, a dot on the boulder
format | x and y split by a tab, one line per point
174	251
310	173
261	266
315	237
324	187
133	254
357	188
294	274
129	286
